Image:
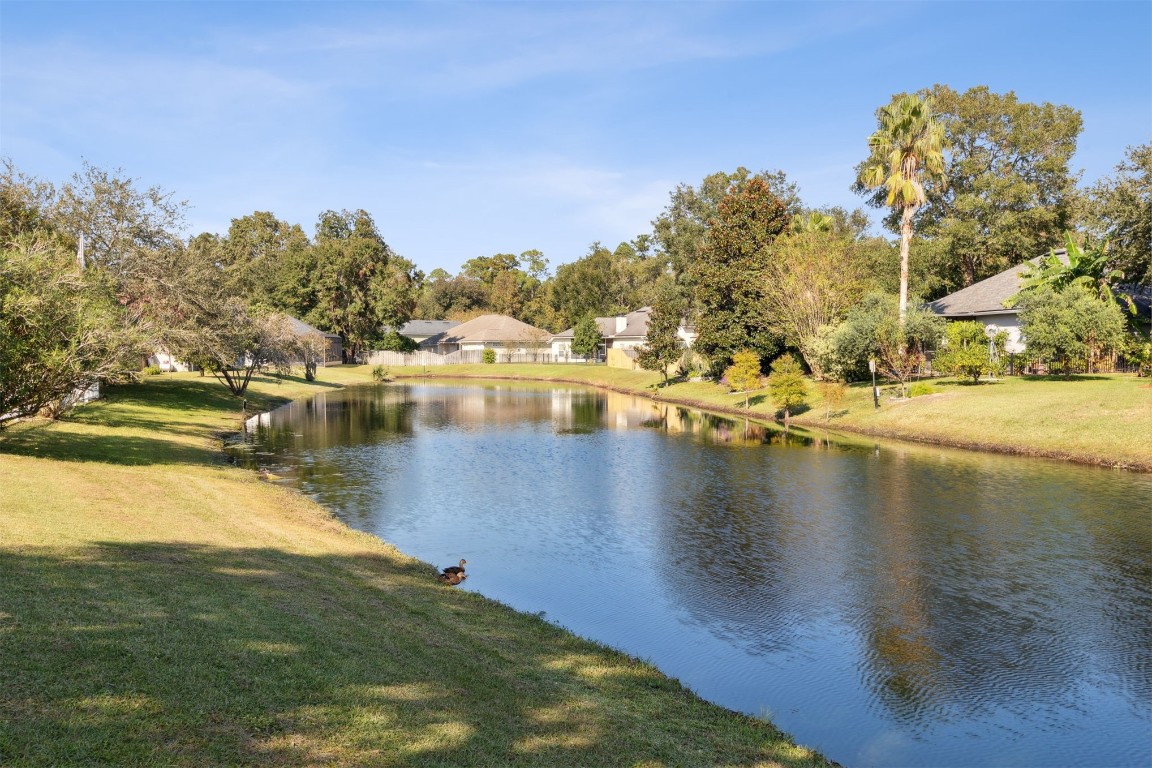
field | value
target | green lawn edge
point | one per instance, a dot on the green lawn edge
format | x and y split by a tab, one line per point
163	607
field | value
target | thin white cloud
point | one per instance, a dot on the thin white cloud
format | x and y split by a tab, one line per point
470	48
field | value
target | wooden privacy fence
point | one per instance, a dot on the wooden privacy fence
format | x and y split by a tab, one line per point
465	357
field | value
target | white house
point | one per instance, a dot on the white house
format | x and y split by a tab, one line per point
622	332
983	302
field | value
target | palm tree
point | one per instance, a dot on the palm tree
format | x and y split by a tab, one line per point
814	222
1088	267
908	144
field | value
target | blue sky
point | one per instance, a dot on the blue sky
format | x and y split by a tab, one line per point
469	129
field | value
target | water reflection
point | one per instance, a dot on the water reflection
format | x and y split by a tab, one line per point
891	605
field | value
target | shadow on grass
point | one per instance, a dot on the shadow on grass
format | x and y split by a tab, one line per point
1061	377
63	445
960	383
174	654
300	380
164	407
796	410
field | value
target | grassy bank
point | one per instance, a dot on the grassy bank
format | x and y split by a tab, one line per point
160	607
1099	419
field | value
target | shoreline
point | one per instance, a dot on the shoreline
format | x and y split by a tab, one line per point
459	678
1005	449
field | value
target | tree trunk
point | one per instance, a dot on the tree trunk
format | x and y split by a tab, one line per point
905	246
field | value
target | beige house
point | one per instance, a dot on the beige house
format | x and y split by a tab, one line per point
499	332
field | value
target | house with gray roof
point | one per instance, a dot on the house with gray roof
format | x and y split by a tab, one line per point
984	302
499	332
166	361
426	333
335	350
621	332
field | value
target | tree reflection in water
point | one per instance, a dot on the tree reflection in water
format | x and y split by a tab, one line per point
889	604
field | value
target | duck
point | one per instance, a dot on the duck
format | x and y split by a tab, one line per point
456	568
452	579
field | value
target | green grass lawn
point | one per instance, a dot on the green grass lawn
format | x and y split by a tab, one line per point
1103	419
160	607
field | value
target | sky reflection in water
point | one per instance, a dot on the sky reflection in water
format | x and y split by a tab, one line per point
889	605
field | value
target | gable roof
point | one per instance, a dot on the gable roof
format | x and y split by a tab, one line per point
987	297
636	324
301	328
606	326
492	328
426	327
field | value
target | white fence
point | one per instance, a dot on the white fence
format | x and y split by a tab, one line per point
470	356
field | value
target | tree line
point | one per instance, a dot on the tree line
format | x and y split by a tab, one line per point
972	183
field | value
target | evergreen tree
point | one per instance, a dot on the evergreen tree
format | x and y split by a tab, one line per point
663	346
586	337
1120	212
729	277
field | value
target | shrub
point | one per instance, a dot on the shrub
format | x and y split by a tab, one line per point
380	373
968	353
152	370
489	356
921	388
1144	360
1074	327
394	342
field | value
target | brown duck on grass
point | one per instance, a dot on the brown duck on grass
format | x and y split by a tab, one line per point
454	574
452	579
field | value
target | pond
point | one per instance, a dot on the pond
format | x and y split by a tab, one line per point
887	604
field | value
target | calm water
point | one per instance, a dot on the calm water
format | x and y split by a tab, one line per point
890	605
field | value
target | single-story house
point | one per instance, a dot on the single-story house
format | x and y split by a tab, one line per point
425	332
335	351
167	362
498	332
622	332
984	302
